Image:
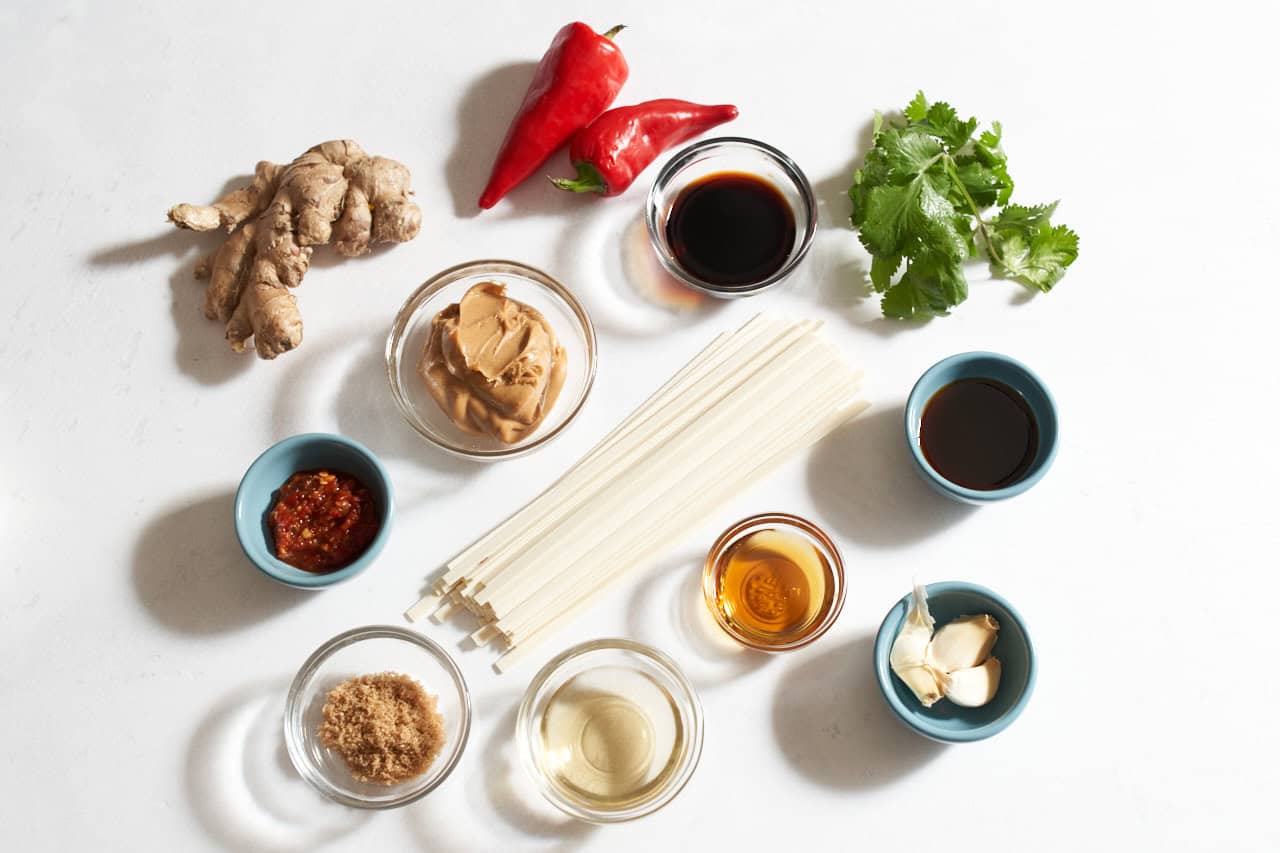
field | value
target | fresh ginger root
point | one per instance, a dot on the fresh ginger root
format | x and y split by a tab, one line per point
334	192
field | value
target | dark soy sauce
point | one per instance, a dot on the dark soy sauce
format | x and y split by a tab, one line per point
979	433
731	229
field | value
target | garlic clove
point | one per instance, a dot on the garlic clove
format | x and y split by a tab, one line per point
913	637
973	687
962	643
923	681
907	656
912	642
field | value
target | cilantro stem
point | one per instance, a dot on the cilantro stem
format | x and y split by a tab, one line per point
973	206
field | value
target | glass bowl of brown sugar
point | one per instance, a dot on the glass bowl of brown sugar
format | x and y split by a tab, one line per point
377	717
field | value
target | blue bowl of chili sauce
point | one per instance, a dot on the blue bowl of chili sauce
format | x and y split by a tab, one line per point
261	489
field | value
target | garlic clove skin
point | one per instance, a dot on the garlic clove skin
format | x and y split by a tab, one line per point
962	643
975	686
923	681
919	612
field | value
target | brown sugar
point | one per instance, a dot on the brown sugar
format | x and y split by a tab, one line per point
385	727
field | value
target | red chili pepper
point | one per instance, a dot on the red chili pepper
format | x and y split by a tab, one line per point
611	151
577	79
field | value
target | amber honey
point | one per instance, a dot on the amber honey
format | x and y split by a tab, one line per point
773	586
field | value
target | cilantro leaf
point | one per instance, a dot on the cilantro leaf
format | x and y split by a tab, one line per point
903	301
918	203
926	289
990	139
910	218
942	119
882	270
892	214
1036	255
1018	216
983	183
986	150
909	152
918	108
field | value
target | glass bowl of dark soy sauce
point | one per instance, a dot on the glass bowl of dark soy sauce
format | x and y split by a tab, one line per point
981	427
731	216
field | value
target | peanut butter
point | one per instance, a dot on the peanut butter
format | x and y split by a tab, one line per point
493	364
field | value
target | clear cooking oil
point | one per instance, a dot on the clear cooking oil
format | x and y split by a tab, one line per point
610	737
773	586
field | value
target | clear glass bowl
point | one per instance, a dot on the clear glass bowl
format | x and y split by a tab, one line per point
412	328
772	521
731	154
601	655
366	651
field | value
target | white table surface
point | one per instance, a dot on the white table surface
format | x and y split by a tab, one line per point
145	659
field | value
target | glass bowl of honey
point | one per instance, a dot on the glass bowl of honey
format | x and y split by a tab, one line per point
610	730
731	216
774	582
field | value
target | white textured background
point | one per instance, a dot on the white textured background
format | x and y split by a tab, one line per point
144	660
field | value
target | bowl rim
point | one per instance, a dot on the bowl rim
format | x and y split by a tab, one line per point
916	401
307	671
681	159
443	279
907	716
277	569
733	534
524	718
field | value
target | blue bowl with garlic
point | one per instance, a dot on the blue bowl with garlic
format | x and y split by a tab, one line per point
954	662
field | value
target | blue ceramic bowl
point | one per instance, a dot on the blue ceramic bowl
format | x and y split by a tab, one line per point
261	483
945	722
984	365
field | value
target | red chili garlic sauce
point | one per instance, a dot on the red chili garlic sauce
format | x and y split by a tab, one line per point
323	520
979	433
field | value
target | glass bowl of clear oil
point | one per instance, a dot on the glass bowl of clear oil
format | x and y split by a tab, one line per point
610	730
774	582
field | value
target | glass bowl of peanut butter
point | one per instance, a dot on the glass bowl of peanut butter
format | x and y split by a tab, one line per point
491	359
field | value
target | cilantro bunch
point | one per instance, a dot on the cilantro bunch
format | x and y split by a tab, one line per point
920	197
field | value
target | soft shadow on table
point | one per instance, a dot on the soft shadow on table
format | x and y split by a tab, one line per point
1021	294
509	790
367	412
201	351
833	726
836	274
506	788
864	485
484	113
244	790
605	255
361	401
832	192
668	610
838	280
189	571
